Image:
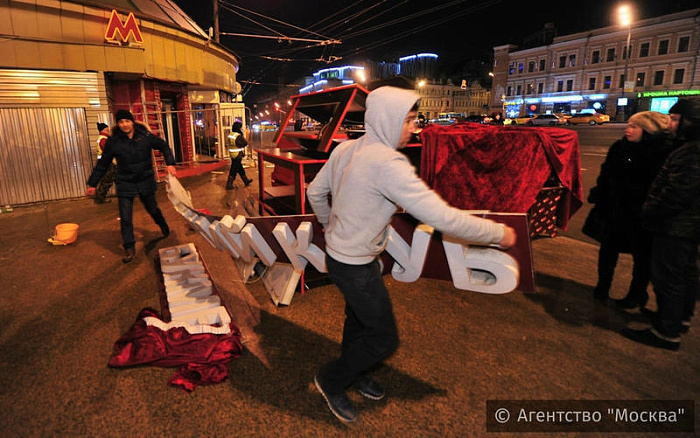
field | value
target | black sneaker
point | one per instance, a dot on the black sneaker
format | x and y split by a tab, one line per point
129	255
649	337
369	388
339	404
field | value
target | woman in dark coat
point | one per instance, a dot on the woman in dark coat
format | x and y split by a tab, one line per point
672	212
625	177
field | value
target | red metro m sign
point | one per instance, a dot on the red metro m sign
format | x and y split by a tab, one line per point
118	32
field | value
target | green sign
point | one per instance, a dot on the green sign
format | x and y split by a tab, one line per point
671	93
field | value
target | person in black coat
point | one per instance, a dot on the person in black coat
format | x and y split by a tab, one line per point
672	212
132	145
625	177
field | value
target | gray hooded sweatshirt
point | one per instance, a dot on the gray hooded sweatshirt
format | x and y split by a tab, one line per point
368	179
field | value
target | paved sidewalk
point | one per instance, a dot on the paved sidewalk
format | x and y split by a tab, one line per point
62	308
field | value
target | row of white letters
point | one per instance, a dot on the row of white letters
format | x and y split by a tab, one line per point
472	268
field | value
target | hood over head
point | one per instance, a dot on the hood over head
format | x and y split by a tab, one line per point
386	110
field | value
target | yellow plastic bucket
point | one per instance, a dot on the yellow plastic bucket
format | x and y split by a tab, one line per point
66	233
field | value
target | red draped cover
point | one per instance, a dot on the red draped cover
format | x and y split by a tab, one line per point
501	168
201	358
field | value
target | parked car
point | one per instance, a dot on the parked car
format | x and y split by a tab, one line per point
521	120
475	119
563	116
546	119
590	119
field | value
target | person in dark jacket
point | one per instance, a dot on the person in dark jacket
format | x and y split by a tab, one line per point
132	145
236	148
106	182
672	212
625	177
676	113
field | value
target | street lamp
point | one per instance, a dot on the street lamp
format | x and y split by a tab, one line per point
624	14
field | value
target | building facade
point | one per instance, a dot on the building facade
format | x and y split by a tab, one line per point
445	97
593	70
437	96
68	65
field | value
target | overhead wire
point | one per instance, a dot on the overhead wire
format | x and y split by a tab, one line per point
231	7
425	26
272	58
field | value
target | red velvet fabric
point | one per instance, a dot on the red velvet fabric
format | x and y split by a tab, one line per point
201	358
501	168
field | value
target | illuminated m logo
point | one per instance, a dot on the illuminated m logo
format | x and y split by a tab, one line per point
118	32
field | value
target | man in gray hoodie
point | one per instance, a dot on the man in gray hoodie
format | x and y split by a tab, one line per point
368	179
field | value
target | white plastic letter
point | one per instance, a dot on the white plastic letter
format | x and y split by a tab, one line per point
409	259
300	250
496	272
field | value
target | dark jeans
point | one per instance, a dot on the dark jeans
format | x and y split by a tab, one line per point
126	213
607	260
236	169
369	334
674	271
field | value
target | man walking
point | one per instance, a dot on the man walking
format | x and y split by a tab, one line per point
132	144
367	179
236	148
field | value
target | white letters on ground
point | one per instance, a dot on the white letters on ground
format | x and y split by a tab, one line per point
472	268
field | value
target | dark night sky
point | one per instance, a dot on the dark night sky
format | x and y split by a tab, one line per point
459	31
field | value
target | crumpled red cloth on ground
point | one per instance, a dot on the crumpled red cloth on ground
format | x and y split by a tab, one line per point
501	168
201	358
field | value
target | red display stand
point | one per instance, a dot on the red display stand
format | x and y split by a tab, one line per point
506	169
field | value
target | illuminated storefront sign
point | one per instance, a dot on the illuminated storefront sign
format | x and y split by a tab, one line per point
118	32
662	104
420	55
562	99
670	93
